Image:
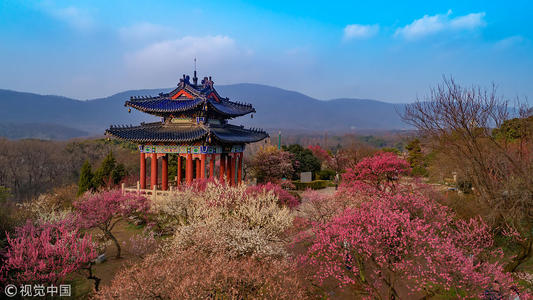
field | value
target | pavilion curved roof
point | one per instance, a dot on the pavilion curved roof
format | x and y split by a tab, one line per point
164	104
179	133
187	97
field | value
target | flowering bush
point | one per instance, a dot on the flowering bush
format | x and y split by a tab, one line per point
232	219
271	164
406	239
319	207
104	210
50	207
142	244
380	171
285	198
320	153
47	253
196	275
230	238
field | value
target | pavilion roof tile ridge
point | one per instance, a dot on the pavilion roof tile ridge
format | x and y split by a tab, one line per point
183	105
242	110
149	97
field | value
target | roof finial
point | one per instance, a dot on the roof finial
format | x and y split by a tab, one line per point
195	79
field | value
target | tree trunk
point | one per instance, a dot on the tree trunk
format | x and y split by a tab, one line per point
524	255
92	277
112	237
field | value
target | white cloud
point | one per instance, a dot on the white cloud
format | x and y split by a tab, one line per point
429	25
357	31
145	31
73	16
470	21
160	62
509	42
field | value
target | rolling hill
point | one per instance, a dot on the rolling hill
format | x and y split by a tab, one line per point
276	109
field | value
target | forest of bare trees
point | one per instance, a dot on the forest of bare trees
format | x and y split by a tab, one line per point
488	141
31	167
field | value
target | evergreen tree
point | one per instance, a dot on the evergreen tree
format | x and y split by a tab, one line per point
102	176
118	173
416	158
304	160
85	182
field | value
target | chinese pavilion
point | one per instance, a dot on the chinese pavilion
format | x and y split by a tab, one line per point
194	125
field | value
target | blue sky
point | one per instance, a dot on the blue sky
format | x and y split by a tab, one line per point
387	50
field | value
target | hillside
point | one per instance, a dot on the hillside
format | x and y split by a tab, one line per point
277	109
42	131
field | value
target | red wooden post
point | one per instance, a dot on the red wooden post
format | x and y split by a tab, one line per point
153	171
164	172
188	169
239	169
222	166
202	165
143	171
212	166
228	169
233	159
179	170
197	168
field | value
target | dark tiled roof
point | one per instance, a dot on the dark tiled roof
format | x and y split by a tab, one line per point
164	104
238	134
157	132
230	108
180	133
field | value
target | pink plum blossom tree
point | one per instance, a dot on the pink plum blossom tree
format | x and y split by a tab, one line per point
285	198
104	210
47	253
320	153
380	171
405	239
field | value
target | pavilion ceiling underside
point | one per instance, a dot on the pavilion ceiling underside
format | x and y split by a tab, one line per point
159	132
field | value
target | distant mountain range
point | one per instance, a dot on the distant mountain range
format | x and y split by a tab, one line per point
24	115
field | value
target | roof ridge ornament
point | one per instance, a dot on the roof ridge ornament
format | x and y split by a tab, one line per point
195	79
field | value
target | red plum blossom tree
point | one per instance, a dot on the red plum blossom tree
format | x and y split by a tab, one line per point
47	253
104	210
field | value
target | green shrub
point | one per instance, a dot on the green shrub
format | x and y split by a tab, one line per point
314	185
325	174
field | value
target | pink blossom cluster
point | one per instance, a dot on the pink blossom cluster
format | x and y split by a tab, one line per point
410	240
285	198
396	236
46	253
380	171
320	153
100	208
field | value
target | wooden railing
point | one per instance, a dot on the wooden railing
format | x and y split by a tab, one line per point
151	193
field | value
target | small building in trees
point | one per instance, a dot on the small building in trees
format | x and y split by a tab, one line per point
194	126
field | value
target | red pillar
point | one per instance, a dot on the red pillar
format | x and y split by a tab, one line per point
222	166
179	170
228	169
233	169
197	168
202	165
153	171
164	172
212	166
239	169
142	178
188	169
